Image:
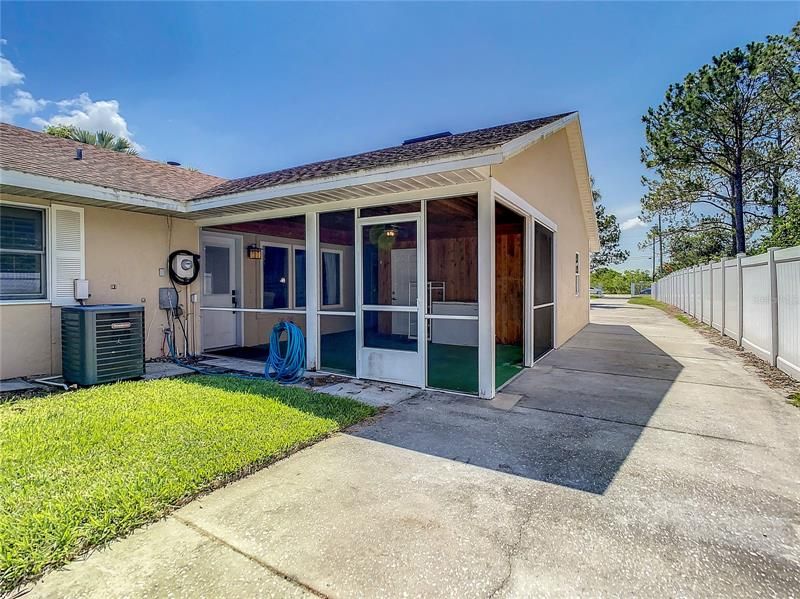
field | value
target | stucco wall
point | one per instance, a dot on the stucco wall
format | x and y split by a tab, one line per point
543	175
123	250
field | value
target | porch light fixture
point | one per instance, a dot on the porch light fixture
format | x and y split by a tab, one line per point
254	252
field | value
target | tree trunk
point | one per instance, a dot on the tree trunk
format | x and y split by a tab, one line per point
738	198
775	205
776	191
733	219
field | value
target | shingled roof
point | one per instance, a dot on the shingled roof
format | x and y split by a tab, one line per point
471	142
37	153
41	154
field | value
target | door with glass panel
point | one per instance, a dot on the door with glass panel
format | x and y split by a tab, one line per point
219	267
389	300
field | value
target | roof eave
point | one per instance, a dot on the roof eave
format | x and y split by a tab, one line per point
401	171
110	195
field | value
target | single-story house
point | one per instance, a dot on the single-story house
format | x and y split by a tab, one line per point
450	261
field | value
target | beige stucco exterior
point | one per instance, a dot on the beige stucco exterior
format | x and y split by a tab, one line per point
544	176
124	251
123	254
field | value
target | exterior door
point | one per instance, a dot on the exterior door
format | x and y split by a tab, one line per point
219	290
388	300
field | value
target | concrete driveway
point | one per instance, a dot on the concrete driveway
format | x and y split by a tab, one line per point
638	459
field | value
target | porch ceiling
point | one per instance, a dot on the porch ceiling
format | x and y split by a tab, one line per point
346	193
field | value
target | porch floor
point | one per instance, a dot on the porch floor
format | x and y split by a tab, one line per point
452	367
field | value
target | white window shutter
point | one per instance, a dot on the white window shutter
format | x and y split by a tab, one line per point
66	225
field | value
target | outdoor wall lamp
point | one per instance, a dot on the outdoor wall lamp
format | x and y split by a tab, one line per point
254	252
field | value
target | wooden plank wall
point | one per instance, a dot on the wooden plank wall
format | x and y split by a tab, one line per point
509	288
455	261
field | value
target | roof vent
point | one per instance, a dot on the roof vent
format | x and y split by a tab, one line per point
416	140
79	154
173	163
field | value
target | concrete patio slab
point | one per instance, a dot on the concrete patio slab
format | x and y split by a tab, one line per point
161	370
161	560
251	366
504	401
372	393
665	367
655	345
9	385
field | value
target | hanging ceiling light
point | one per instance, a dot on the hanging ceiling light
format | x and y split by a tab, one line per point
390	231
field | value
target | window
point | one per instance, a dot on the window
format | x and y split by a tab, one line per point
23	263
284	278
577	273
299	277
217	275
276	277
331	278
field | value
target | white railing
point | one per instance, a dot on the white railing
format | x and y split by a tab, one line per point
755	300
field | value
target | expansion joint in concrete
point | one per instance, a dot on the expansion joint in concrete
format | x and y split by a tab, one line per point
270	568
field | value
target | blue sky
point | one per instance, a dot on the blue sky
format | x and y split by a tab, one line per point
237	89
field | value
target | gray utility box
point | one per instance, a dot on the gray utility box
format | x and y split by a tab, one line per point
102	344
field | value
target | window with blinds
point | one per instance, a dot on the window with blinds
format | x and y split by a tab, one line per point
41	252
23	261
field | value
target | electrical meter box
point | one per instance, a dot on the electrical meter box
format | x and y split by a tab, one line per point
167	298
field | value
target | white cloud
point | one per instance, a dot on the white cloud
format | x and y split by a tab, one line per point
9	75
83	113
627	210
23	103
632	223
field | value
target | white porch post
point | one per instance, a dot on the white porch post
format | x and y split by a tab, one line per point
486	276
528	291
312	290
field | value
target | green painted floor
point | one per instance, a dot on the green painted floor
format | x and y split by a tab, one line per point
450	367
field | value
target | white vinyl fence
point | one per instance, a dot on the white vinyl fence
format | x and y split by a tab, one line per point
752	299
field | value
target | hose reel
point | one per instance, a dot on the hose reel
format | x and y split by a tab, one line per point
184	267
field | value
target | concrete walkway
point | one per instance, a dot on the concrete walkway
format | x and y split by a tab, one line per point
638	459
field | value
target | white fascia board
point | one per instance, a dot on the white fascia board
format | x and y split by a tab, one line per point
521	143
584	181
362	178
84	190
580	166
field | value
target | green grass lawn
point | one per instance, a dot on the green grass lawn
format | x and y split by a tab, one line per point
81	468
644	300
649	301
